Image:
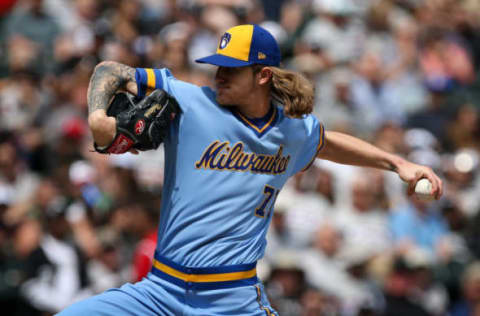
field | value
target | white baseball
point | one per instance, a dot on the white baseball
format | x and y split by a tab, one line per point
423	190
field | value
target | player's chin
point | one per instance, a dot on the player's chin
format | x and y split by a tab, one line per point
224	101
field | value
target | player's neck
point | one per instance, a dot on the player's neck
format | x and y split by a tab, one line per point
257	106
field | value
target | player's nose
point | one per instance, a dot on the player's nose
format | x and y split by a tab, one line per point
221	75
218	75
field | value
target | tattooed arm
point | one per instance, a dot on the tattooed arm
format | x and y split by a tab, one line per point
107	78
346	149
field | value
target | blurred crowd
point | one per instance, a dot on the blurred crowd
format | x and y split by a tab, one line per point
402	74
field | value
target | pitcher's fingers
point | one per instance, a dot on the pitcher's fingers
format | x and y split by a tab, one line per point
411	186
413	183
437	185
439	188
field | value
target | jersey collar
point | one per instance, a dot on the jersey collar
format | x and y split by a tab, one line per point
259	125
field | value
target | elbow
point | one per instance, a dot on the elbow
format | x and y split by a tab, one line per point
103	127
104	66
96	120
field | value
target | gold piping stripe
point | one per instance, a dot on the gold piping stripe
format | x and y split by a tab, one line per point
320	144
259	300
253	125
216	277
151	80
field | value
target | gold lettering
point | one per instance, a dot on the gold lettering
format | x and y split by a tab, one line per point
234	155
266	162
151	110
258	162
220	156
221	163
246	161
208	156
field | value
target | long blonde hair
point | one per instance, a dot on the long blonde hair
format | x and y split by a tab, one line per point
293	90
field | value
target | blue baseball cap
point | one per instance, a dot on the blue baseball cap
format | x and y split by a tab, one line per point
245	45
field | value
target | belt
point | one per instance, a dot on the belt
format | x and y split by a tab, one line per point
205	278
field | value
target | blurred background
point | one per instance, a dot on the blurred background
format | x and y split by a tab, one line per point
402	74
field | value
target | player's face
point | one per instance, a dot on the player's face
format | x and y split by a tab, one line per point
233	84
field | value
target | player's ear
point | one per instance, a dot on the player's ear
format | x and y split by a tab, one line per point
265	76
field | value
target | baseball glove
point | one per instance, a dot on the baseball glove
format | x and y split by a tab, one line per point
141	123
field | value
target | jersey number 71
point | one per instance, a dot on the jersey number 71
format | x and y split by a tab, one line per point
267	202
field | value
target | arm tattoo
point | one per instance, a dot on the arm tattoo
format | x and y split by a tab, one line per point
107	78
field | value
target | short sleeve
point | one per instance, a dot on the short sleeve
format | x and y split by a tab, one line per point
186	94
313	144
149	79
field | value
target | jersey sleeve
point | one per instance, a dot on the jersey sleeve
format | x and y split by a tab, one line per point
149	79
314	142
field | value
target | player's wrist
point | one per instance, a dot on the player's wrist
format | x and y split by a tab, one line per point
103	127
395	163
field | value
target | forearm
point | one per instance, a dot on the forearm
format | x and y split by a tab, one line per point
103	127
346	149
107	79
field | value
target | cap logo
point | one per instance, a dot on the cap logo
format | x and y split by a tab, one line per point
225	40
261	55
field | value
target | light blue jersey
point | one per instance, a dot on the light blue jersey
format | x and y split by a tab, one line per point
223	173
